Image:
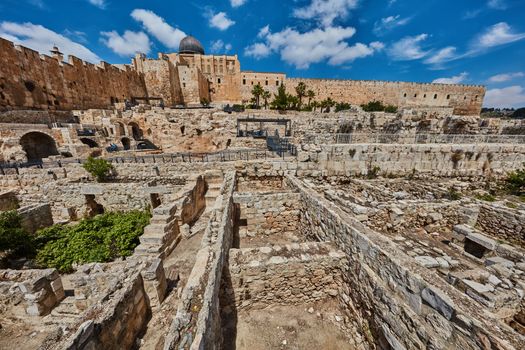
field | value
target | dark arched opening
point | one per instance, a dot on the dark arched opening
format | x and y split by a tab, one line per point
91	143
38	145
121	130
126	143
136	131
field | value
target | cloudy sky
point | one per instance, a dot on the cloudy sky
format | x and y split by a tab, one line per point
446	41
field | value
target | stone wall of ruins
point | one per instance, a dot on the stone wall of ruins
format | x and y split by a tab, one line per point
502	223
465	99
35	217
292	274
268	213
401	304
33	81
117	325
393	159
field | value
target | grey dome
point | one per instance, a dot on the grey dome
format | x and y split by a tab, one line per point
191	45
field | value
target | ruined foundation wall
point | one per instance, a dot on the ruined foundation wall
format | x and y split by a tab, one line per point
393	159
267	214
286	275
465	99
35	217
398	303
118	322
33	81
502	223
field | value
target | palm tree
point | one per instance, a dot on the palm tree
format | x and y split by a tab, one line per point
301	92
266	96
257	91
314	105
310	94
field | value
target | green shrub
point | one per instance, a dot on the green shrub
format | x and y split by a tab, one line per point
13	238
373	173
486	197
391	109
453	195
373	106
99	239
342	106
98	168
516	182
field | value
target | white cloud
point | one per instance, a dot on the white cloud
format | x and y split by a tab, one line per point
42	40
497	4
500	78
317	45
237	3
388	23
157	26
511	96
219	46
444	55
220	21
258	51
498	34
457	79
408	48
98	3
326	11
128	44
37	3
351	53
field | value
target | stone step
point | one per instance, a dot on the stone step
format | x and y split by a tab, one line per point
153	238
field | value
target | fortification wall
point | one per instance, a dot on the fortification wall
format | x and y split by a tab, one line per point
33	81
465	99
269	82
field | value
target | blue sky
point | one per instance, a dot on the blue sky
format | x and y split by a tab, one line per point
466	41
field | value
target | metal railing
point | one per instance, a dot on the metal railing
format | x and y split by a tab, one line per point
281	146
426	138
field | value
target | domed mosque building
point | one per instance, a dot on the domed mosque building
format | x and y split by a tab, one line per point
190	77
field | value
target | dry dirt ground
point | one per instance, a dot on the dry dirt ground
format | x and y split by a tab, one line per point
286	327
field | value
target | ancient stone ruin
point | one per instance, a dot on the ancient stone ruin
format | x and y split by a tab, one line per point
267	229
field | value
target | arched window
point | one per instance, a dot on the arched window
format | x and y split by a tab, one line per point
38	145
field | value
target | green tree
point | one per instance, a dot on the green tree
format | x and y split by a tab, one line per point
310	94
266	96
293	102
314	105
280	101
516	182
257	91
98	167
300	89
13	238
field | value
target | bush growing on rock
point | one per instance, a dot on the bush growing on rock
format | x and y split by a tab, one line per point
13	238
100	239
516	182
98	168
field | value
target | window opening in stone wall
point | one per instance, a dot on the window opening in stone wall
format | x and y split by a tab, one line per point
435	96
448	97
266	82
218	80
405	95
277	83
244	82
30	86
425	96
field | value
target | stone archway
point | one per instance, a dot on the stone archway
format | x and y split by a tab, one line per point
136	131
91	143
126	143
38	145
120	129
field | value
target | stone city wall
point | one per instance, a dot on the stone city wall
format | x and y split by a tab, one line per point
33	81
502	223
259	184
401	305
292	274
465	99
268	213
